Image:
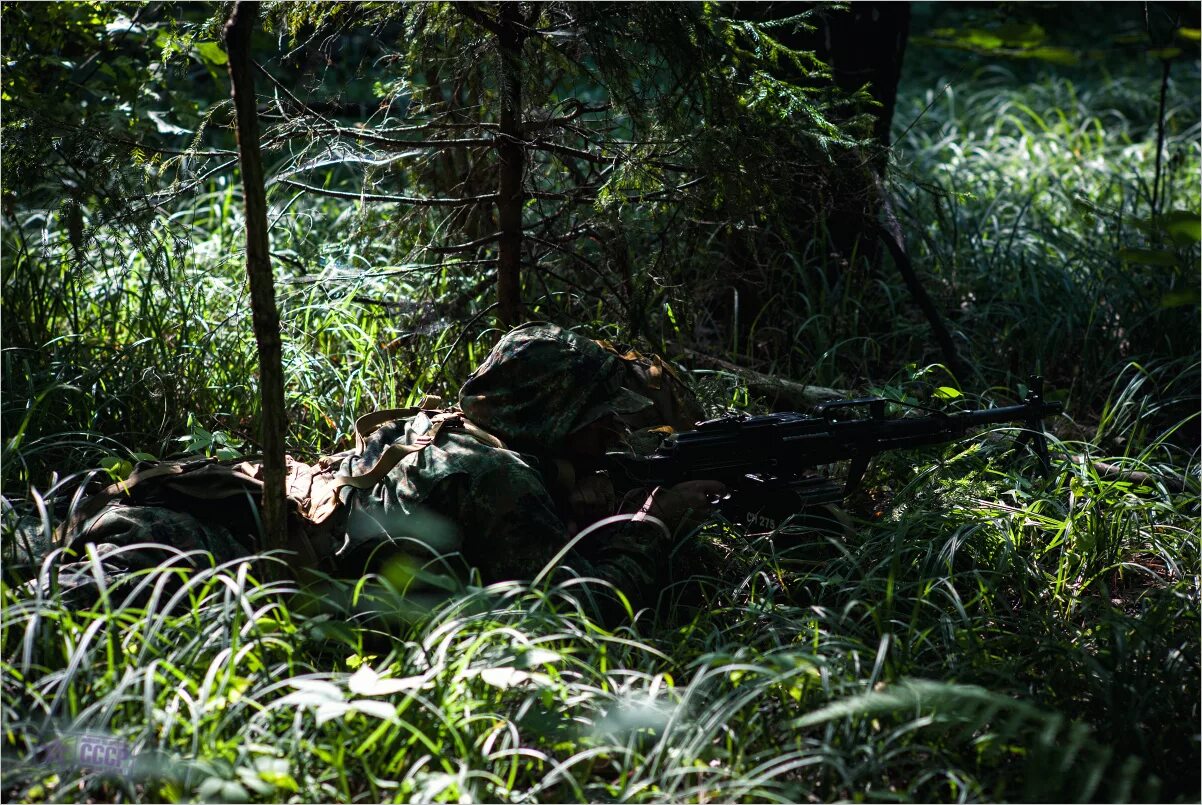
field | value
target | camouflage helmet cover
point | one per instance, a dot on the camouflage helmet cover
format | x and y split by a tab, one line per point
540	383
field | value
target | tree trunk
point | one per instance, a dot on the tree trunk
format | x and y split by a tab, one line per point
512	156
865	44
258	271
890	234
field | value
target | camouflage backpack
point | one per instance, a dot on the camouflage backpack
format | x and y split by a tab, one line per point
220	493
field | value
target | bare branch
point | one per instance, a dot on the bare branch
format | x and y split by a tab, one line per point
553	246
303	106
175	152
465	247
575	153
388	142
578	109
414	200
479	17
587	194
407	268
433	124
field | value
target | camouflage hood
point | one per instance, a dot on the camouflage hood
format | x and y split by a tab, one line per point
540	383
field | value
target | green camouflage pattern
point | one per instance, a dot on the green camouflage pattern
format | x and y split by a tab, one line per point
540	383
537	385
493	507
203	513
127	539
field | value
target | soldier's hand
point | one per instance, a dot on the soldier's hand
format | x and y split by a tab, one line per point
685	506
592	498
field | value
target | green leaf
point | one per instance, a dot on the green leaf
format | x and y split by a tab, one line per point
508	677
250	779
355	660
1022	34
536	657
1053	55
198	441
1192	34
1183	226
312	692
118	468
1148	257
1165	53
1179	298
947	393
214	789
981	39
212	53
366	682
328	711
275	772
381	710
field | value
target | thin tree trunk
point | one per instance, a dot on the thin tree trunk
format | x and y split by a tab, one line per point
512	156
1164	91
891	236
258	270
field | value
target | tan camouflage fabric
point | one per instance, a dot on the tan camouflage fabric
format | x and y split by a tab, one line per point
191	513
482	489
674	407
496	506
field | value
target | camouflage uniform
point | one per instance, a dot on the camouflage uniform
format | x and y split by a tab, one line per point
128	539
193	513
538	385
481	488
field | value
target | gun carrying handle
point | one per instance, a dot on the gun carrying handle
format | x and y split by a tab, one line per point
859	459
876	406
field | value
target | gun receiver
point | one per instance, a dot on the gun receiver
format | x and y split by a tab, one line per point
764	459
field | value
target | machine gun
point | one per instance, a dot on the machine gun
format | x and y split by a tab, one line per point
765	461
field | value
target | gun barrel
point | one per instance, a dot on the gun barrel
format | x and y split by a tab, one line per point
919	431
790	443
1029	411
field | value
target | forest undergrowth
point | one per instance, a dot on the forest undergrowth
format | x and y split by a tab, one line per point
984	633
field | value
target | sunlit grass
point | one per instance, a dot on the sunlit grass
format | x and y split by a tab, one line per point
1030	206
993	638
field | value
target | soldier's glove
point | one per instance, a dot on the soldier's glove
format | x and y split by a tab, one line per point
592	498
685	506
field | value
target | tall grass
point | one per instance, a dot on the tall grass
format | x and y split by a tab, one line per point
989	639
1032	213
